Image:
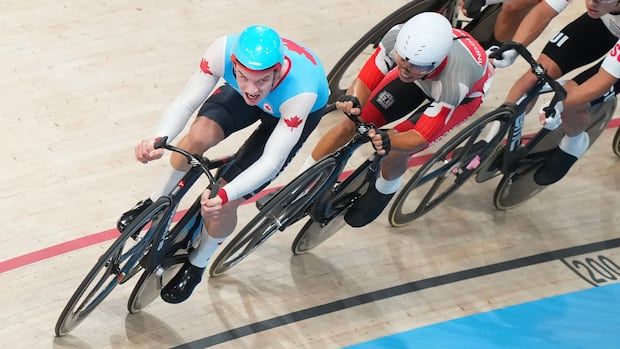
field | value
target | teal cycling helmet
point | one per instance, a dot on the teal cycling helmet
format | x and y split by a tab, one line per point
259	48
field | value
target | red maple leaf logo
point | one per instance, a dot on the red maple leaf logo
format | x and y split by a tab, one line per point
293	122
204	66
298	49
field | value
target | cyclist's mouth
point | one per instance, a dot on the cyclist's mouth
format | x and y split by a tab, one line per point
252	97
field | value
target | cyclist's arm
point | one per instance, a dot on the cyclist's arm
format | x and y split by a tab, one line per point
375	68
599	83
537	20
195	92
284	137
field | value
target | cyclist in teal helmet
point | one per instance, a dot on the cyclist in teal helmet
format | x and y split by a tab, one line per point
259	48
258	59
268	79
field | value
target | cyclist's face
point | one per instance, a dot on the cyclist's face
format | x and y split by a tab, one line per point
254	85
408	72
598	8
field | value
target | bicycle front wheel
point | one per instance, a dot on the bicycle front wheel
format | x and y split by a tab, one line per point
283	209
328	212
449	168
115	266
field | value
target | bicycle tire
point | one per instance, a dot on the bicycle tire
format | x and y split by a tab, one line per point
519	186
149	285
374	35
110	262
182	239
327	215
458	168
278	213
616	143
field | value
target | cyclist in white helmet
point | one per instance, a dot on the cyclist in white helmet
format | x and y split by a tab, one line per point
423	59
592	37
268	79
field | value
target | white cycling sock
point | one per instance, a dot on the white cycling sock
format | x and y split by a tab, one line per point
168	181
576	145
388	187
307	164
208	245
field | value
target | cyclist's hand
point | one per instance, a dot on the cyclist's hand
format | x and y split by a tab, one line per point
554	121
380	141
508	57
145	151
210	208
349	105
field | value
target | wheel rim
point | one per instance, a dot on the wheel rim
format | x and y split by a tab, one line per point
517	187
149	287
314	233
117	269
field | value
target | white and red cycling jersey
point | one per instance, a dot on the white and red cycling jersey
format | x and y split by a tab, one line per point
465	74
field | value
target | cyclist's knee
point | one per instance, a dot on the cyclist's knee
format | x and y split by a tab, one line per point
346	128
203	134
552	68
575	119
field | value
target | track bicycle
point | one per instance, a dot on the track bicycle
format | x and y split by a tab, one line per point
480	27
147	245
316	193
466	155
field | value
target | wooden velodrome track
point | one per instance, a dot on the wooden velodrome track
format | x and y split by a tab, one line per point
83	81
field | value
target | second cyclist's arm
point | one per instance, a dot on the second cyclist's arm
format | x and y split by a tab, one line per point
537	20
281	142
597	85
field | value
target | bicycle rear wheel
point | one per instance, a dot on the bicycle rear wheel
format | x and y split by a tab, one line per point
519	186
347	67
115	266
182	239
616	143
282	210
149	285
328	212
449	168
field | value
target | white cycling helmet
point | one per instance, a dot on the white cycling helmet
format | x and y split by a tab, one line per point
424	40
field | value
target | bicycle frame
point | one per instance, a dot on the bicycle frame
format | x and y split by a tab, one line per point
514	151
152	260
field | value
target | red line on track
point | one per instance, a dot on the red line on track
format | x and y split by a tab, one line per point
92	239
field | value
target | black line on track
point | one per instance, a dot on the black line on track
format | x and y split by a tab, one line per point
393	291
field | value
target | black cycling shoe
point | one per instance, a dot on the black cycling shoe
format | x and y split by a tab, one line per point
367	208
182	284
129	216
554	168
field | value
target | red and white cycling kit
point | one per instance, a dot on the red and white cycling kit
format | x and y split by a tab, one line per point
456	87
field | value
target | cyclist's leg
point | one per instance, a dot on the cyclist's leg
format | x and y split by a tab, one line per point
510	16
389	103
581	42
217	229
213	124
